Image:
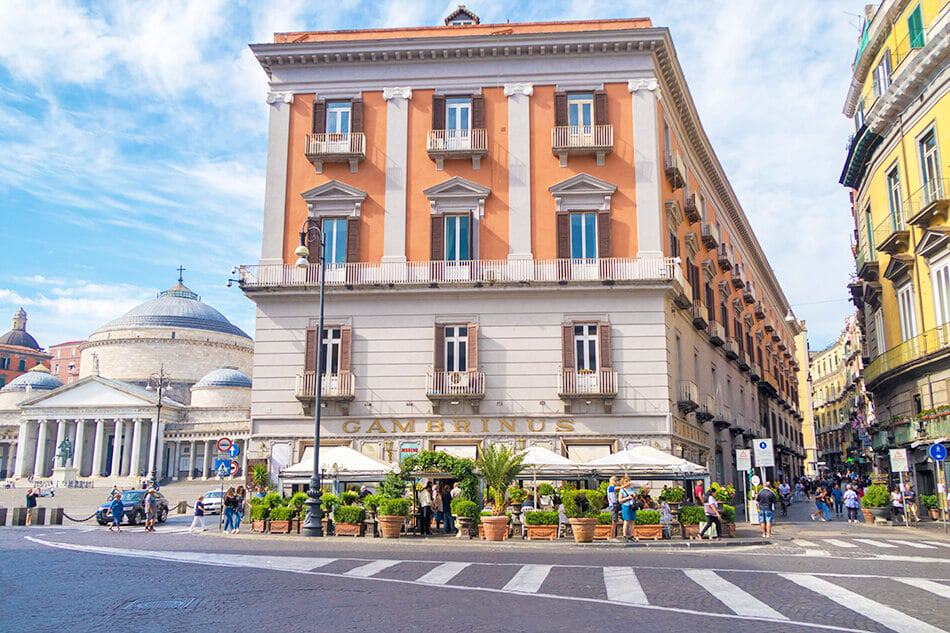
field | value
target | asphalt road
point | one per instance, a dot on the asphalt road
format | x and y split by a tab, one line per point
840	578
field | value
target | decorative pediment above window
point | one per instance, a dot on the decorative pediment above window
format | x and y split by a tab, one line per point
334	198
674	214
933	244
899	267
709	270
724	289
692	244
582	192
457	195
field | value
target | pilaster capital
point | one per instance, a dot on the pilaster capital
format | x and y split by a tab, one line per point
397	92
279	97
525	89
646	83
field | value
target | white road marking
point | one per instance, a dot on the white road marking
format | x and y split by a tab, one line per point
818	553
940	589
371	569
443	573
622	586
737	599
874	543
529	578
912	544
938	543
888	616
804	543
837	543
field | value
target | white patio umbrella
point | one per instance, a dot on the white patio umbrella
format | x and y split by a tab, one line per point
542	461
342	461
648	459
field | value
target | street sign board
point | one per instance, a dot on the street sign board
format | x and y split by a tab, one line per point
409	449
235	451
224	444
755	480
743	459
938	452
222	465
762	447
235	467
899	460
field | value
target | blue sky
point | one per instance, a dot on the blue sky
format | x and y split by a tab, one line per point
132	139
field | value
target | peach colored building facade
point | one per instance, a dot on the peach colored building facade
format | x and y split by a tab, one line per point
65	361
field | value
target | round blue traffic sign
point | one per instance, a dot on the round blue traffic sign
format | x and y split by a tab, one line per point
234	451
763	445
938	452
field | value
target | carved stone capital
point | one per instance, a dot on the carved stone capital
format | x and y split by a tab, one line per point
399	92
649	83
279	97
519	89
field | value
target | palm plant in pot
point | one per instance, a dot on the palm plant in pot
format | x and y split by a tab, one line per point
582	508
874	503
499	466
647	525
392	515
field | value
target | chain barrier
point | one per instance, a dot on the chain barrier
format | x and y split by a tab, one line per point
91	516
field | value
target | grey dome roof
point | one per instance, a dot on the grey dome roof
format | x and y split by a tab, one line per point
18	335
224	377
177	307
37	380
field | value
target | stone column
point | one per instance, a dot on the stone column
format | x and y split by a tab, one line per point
80	445
116	463
191	461
647	166
519	172
275	177
39	466
176	447
23	438
244	459
135	465
160	457
397	158
60	436
207	459
97	448
127	449
151	462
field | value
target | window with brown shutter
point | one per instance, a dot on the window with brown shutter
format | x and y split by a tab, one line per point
438	112
356	115
563	236
473	347
346	348
437	239
567	346
600	107
478	112
353	240
310	350
438	356
603	334
560	109
603	234
319	116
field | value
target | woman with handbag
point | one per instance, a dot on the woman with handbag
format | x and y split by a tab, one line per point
628	507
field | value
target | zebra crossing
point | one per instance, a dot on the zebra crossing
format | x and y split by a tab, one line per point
837	601
852	543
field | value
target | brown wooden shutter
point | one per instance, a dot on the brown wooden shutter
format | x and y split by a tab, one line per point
567	346
600	107
437	239
603	234
478	112
356	115
319	116
438	356
563	236
353	240
346	348
603	336
473	346
438	112
560	108
310	350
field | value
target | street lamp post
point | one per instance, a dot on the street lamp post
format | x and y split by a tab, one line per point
157	382
313	522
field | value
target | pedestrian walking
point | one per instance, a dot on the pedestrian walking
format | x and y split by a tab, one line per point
230	509
821	507
612	503
240	499
910	505
852	503
425	510
31	496
711	508
437	506
766	501
838	496
628	507
198	522
447	516
116	509
897	506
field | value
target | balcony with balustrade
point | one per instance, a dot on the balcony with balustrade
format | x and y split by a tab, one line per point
699	314
710	236
688	398
675	170
707	408
723	418
349	147
731	348
717	334
892	235
928	206
748	293
339	387
931	346
737	277
455	387
592	140
443	145
724	256
691	209
587	385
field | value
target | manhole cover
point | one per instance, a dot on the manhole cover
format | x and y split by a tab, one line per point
161	605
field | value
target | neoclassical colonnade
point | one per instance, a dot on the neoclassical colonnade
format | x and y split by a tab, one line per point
193	458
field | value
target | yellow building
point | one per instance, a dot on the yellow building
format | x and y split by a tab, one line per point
897	169
804	395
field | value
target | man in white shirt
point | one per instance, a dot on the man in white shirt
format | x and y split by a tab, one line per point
456	491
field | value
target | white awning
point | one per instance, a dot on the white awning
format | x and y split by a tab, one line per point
338	462
645	458
540	462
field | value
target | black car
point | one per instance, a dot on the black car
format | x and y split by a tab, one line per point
134	508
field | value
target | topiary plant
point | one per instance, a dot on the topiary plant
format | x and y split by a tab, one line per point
545	490
875	496
393	486
394	507
465	508
281	513
691	515
648	517
349	514
329	501
517	495
582	504
728	513
259	512
604	518
543	517
273	499
297	502
370	502
349	497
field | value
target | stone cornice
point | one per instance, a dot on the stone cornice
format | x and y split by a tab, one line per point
194	341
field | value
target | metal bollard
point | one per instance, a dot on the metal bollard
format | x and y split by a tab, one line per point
19	517
3	517
55	516
39	516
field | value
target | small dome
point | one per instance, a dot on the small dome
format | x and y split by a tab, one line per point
224	377
18	335
35	379
177	307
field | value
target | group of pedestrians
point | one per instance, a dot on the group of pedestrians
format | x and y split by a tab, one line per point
435	502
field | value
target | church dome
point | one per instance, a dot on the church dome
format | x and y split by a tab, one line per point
37	379
177	307
18	335
224	377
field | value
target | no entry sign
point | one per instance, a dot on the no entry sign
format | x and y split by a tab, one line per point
224	444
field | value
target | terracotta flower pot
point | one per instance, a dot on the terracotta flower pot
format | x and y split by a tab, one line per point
690	531
349	529
604	532
280	527
390	526
729	529
649	532
583	529
542	532
868	517
934	514
258	525
496	528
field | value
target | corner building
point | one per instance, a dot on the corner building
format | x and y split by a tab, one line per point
529	240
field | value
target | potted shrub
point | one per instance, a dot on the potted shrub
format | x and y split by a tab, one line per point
328	501
349	520
516	497
647	525
484	514
546	492
349	497
605	528
582	508
542	524
930	503
690	517
466	513
499	466
259	512
674	496
280	519
392	515
297	503
260	478
728	513
874	503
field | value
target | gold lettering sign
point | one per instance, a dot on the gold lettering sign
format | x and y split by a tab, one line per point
376	427
434	426
351	426
408	426
465	426
564	426
536	426
462	426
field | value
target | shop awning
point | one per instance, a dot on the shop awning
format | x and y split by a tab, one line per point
646	460
338	462
542	462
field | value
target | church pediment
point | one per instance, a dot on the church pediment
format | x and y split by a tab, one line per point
933	244
334	198
582	192
457	194
95	391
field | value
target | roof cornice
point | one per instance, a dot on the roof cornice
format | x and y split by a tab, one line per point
881	25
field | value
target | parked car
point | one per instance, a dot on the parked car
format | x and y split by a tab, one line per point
134	509
213	500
